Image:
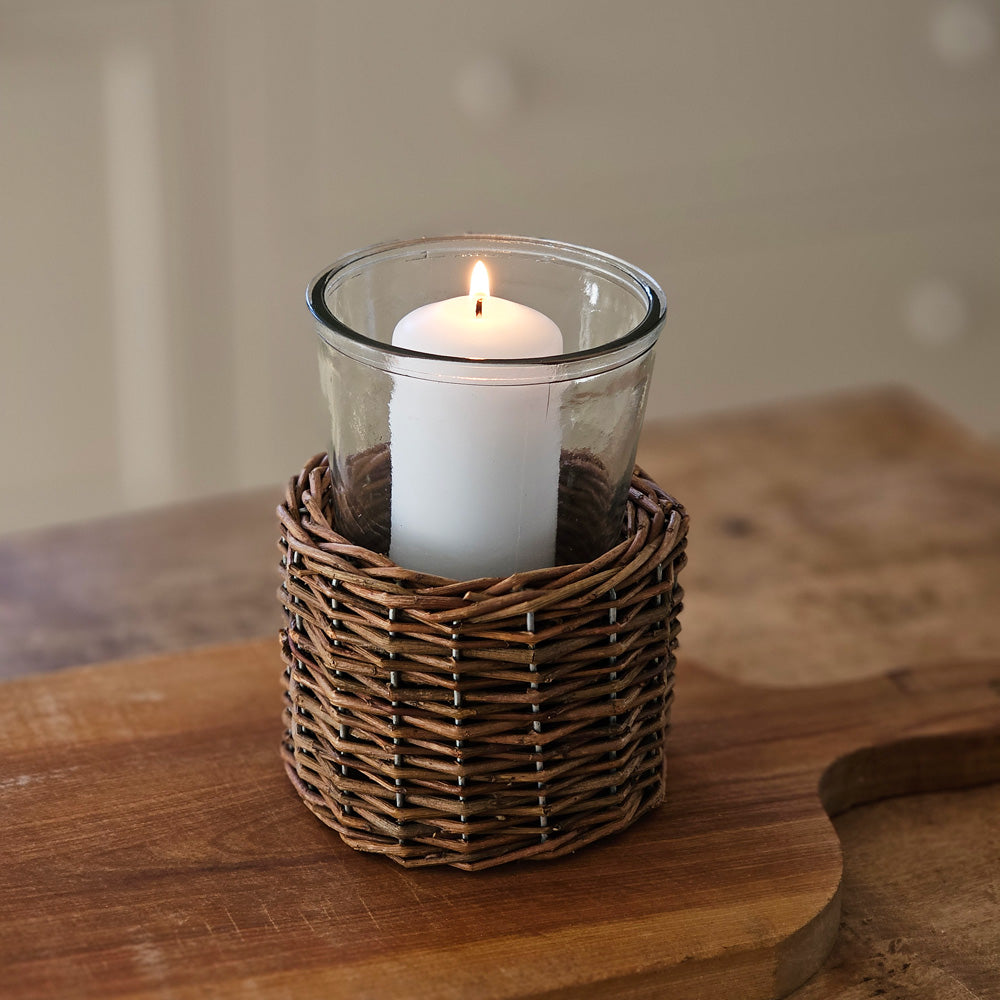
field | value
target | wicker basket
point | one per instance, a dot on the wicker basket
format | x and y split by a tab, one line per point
478	722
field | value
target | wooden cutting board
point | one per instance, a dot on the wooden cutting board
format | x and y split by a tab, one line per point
152	845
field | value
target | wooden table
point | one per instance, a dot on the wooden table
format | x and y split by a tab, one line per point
832	539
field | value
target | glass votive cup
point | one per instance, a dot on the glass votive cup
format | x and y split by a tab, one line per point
468	468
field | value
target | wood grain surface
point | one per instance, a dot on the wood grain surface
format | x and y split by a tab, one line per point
154	847
832	538
148	582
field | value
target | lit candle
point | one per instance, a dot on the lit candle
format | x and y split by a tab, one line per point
475	467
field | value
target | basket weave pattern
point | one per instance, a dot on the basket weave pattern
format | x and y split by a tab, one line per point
478	722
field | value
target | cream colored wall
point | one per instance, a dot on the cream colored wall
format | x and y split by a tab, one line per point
816	185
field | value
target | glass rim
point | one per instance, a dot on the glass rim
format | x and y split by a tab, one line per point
616	352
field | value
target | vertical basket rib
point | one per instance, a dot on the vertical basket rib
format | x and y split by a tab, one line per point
478	722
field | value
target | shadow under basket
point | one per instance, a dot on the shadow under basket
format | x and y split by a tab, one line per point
479	722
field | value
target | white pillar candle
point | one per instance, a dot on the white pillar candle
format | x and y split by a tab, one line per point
475	467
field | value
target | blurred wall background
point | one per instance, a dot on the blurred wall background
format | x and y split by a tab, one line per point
816	185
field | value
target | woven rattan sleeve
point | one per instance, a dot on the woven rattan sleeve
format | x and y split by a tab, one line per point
477	722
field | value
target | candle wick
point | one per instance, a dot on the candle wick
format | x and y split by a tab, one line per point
479	306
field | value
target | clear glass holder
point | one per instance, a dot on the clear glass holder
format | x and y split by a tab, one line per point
466	468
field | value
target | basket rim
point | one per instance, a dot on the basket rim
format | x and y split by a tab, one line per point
441	599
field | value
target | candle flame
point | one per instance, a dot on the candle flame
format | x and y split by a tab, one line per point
479	286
